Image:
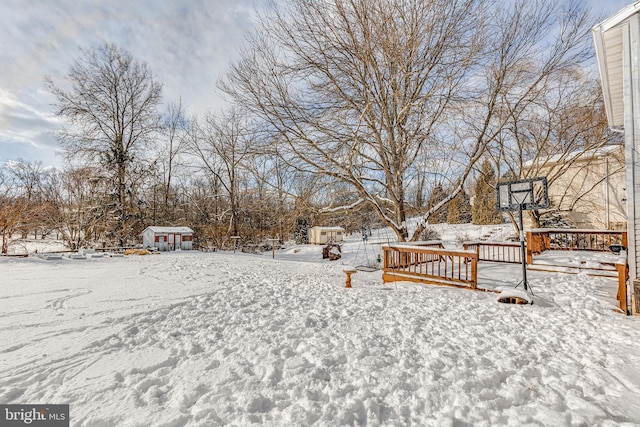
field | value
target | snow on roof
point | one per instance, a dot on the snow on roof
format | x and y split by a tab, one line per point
317	227
159	229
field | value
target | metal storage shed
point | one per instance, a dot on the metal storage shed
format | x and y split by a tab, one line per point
168	238
323	235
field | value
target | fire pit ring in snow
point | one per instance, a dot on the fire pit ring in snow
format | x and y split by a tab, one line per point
515	296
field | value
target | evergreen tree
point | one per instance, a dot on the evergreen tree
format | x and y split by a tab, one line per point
484	209
459	211
437	195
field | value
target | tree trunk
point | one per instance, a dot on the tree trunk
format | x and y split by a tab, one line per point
121	225
5	243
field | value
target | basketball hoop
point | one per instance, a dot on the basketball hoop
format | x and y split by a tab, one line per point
528	194
519	195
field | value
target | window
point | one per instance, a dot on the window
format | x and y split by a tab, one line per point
323	233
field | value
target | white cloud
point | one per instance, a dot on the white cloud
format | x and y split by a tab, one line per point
188	45
14	113
25	131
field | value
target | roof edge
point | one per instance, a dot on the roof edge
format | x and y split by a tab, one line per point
619	17
603	72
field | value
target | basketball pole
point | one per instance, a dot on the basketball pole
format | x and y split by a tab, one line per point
522	194
523	252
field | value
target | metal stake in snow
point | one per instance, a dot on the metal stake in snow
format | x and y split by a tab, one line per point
524	194
273	246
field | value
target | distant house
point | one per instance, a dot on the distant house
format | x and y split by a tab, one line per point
168	238
592	189
323	235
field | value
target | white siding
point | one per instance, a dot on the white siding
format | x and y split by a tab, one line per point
631	79
170	238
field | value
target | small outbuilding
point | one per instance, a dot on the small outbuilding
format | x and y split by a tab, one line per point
323	235
168	238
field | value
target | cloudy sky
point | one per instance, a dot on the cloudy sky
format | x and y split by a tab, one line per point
188	44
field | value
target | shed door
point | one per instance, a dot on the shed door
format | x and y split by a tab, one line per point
177	241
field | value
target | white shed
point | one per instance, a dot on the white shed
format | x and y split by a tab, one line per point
168	238
323	235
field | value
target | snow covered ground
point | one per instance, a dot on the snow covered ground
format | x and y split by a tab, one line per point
207	339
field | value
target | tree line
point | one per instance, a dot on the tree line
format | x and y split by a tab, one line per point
79	205
341	112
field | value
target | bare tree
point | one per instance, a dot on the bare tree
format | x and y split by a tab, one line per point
532	44
176	129
385	95
82	215
222	145
556	133
111	111
12	207
206	210
269	181
354	89
29	178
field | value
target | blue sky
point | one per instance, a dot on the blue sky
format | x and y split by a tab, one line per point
187	44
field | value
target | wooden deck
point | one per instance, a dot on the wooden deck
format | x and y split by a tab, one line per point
496	251
542	240
430	264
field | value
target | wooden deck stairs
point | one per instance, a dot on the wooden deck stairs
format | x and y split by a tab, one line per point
592	268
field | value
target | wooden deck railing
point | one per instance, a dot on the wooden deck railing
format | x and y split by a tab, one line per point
541	240
623	275
404	260
424	264
496	251
436	244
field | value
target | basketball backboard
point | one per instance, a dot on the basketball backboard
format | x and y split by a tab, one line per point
526	194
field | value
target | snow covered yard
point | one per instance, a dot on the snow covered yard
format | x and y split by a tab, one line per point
194	339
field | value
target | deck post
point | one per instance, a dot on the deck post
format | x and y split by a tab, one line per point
622	285
349	271
474	272
530	247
